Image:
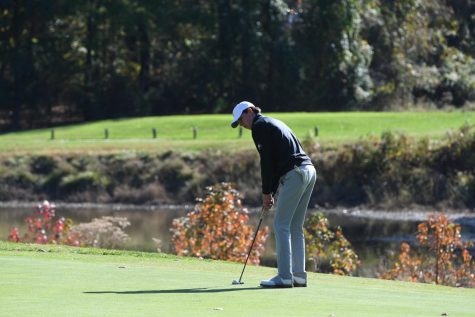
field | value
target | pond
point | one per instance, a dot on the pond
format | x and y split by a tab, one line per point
372	233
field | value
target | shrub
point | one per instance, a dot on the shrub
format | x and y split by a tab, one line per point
150	193
104	232
175	174
82	181
217	228
42	164
44	228
21	178
395	170
325	246
240	168
442	257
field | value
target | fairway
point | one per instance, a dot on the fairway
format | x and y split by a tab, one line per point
214	132
63	281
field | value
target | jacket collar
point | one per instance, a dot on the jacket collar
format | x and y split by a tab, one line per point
257	117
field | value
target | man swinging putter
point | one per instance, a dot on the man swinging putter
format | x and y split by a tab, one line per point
284	165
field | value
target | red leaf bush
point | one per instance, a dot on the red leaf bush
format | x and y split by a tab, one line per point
44	228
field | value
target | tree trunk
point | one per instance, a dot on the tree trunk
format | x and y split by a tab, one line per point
246	82
144	75
224	45
16	64
88	110
267	23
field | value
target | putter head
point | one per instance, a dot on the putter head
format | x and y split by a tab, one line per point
236	282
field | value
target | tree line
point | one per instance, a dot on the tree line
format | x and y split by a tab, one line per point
68	61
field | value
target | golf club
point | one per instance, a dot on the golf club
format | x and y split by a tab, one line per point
238	282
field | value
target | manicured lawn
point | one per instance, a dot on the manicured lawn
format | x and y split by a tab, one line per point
213	131
62	281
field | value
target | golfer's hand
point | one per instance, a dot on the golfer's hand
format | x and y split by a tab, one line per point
267	201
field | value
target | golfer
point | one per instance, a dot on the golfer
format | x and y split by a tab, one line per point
284	166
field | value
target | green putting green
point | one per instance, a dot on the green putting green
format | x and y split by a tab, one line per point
63	281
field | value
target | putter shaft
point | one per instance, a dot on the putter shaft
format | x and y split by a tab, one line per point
252	244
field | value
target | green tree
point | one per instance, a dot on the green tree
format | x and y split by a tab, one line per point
334	71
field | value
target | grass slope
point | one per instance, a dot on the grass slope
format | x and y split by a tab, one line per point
214	132
63	281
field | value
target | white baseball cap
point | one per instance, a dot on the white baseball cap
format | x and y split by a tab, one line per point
238	110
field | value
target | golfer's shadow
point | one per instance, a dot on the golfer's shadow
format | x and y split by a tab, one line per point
179	291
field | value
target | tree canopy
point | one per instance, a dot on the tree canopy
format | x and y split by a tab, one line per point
64	61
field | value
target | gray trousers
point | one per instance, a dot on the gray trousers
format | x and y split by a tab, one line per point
294	194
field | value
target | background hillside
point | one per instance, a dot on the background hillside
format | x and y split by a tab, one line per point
71	61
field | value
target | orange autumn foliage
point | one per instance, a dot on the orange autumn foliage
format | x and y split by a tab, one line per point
217	228
442	257
324	244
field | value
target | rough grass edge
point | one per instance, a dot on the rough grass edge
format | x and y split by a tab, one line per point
6	246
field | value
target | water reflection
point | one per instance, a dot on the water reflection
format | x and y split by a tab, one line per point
146	223
371	234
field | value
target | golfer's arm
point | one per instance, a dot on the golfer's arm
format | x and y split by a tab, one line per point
266	161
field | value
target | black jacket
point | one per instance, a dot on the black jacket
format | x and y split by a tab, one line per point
279	149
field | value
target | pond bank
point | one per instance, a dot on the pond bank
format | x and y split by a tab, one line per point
416	214
389	172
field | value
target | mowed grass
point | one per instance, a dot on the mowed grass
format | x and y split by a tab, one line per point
214	132
62	281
